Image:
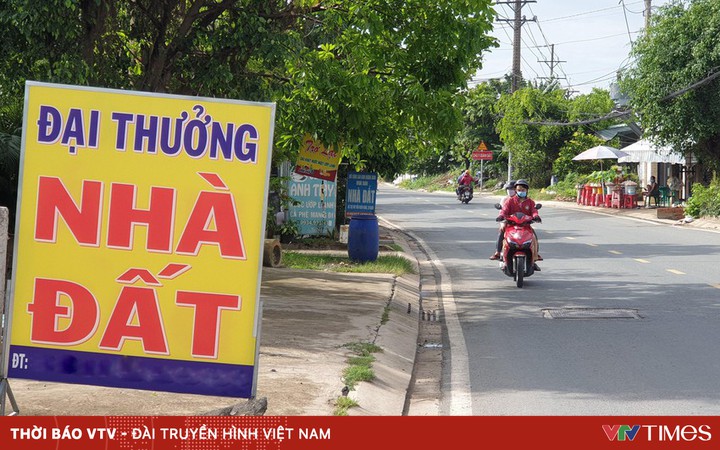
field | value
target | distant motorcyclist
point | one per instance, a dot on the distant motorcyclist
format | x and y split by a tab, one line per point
465	180
523	204
510	189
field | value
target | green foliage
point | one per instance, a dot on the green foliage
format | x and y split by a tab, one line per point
705	200
439	182
289	229
9	166
394	264
479	125
578	143
342	404
376	78
566	189
679	51
360	365
602	176
534	145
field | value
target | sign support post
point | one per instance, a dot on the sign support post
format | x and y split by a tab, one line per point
4	336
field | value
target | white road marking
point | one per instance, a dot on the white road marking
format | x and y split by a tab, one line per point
644	261
676	272
615	252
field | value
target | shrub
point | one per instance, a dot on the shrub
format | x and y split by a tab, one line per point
565	189
705	200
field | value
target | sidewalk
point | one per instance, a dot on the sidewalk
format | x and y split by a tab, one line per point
308	318
642	213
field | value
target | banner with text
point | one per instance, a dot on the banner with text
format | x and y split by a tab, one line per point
139	240
317	161
360	193
348	433
315	213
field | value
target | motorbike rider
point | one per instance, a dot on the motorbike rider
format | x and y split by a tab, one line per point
465	180
510	189
524	204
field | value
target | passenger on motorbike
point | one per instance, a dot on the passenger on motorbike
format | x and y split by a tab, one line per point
510	189
465	180
524	204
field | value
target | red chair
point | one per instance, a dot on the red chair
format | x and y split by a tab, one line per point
630	201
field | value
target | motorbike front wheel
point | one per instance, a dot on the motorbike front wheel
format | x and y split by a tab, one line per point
519	270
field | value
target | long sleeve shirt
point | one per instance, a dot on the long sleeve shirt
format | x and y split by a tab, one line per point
516	204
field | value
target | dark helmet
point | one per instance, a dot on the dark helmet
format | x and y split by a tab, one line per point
522	182
510	184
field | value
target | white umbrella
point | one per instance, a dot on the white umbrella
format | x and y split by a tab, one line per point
600	152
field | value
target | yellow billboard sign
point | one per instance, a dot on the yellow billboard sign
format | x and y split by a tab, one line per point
139	240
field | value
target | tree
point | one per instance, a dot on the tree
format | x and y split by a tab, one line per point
377	77
533	147
479	123
536	124
674	85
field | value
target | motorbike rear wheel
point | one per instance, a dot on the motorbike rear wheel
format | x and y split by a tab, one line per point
519	270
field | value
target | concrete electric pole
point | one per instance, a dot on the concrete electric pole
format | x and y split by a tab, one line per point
517	22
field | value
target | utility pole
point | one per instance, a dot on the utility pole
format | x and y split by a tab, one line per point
517	22
552	63
648	6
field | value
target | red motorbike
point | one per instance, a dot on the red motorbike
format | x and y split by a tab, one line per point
519	243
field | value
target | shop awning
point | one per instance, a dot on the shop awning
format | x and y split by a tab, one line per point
645	151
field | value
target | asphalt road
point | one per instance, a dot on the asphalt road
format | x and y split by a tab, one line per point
506	357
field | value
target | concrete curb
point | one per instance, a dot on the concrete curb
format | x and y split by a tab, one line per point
393	367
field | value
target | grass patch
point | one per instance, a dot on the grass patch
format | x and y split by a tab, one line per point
394	247
364	361
432	183
363	348
360	365
355	374
342	404
385	315
396	265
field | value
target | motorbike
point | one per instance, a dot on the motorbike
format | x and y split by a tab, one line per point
465	193
517	259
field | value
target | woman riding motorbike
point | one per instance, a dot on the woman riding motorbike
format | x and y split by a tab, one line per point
510	189
524	204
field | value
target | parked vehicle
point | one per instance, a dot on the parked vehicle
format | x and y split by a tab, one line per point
519	242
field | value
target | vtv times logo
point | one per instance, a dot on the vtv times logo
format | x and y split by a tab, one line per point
660	433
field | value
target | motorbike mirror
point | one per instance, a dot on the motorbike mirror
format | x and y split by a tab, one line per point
538	205
497	206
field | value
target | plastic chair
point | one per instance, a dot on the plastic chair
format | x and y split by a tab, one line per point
665	196
648	197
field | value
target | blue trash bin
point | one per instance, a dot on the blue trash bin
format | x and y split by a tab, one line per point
363	238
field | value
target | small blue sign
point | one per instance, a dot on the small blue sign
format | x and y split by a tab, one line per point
360	193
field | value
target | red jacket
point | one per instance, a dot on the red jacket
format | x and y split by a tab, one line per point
466	179
516	204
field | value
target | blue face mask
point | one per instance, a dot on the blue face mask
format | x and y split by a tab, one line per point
522	194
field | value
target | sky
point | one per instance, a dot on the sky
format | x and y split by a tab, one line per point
591	37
